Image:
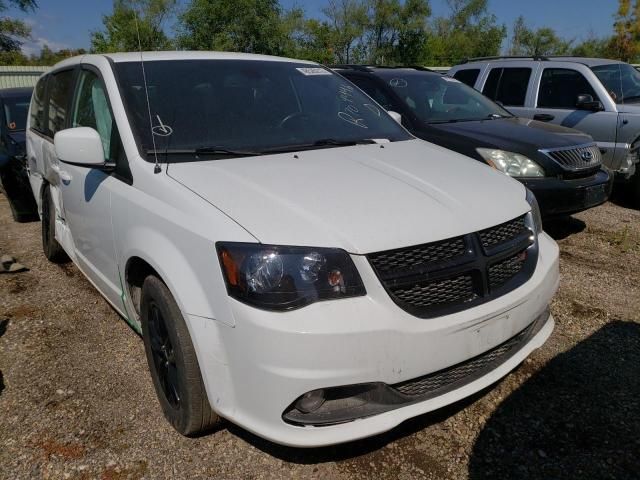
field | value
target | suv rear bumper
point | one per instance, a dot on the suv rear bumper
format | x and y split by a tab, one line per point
559	197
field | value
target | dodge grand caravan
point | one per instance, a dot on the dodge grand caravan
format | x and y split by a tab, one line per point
295	261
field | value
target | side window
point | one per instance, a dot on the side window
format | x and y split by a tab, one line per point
374	91
60	91
36	121
467	76
508	85
91	109
560	87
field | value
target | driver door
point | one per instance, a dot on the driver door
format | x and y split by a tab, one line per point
87	191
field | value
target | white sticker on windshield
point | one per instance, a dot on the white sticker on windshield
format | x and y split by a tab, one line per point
451	79
313	71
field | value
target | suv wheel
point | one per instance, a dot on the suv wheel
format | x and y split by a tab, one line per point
50	246
172	361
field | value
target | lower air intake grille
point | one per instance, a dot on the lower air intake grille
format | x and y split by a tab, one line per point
458	373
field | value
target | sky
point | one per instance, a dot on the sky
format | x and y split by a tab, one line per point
67	23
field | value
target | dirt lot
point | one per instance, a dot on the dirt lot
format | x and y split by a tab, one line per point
76	400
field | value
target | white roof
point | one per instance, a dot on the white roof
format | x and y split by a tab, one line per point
196	55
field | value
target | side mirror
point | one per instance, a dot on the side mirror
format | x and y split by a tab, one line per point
79	146
396	116
586	102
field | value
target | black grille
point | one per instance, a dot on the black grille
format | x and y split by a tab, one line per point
502	233
439	292
451	275
501	272
429	384
578	158
416	256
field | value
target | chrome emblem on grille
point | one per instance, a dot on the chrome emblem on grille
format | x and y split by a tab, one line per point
587	156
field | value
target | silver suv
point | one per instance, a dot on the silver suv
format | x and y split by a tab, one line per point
600	97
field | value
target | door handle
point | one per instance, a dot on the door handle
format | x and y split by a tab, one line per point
64	177
543	117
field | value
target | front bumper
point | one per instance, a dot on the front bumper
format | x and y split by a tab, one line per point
273	358
558	197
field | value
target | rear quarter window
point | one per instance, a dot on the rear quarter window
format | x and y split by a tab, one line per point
37	121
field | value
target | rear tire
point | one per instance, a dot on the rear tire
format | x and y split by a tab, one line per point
50	246
172	361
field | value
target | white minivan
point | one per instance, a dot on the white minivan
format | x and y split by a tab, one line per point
295	261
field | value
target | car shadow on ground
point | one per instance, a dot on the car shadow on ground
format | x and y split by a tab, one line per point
346	451
563	227
3	328
578	417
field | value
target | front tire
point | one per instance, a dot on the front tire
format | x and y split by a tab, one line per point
172	361
50	246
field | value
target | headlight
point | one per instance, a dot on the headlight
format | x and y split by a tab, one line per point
283	278
536	216
513	164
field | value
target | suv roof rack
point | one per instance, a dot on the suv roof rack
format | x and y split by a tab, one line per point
507	57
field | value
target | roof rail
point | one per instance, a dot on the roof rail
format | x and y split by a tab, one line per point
507	57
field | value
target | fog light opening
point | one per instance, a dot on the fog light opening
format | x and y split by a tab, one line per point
310	401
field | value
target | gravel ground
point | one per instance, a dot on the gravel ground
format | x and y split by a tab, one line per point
76	400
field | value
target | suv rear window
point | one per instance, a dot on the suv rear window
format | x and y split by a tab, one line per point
37	106
508	85
467	76
560	87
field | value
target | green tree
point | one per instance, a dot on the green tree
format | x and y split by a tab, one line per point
346	25
13	32
625	43
469	31
539	42
133	21
252	26
593	46
396	31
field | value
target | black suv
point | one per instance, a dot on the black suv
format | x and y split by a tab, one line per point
561	166
14	105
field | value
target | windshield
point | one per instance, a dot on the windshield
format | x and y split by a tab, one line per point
438	99
247	107
15	112
621	80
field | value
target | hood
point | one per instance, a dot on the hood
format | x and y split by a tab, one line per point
633	108
363	198
516	133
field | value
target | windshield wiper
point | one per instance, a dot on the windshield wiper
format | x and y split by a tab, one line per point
323	142
213	150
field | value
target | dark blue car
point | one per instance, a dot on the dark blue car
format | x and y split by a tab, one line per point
14	106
